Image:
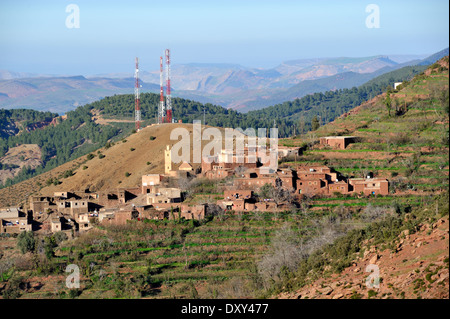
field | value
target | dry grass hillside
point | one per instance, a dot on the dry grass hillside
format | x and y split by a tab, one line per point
140	153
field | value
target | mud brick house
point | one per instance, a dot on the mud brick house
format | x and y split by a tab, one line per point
253	179
285	151
106	213
164	195
13	220
237	194
322	172
56	224
185	166
262	206
314	180
286	176
337	142
121	217
312	186
370	186
178	210
83	222
72	207
236	199
193	212
219	172
117	197
150	180
341	187
243	200
62	195
228	160
39	204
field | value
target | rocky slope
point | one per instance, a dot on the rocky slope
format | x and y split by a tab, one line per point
418	268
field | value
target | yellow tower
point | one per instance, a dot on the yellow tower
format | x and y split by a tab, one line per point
167	160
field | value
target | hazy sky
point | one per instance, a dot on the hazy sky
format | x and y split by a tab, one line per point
255	33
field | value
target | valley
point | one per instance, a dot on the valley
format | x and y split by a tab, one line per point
296	243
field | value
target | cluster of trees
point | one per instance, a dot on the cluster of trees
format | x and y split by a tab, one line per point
70	139
302	114
26	118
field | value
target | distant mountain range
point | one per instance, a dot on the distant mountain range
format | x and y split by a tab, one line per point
230	85
61	94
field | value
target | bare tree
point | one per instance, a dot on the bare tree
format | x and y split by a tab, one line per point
288	248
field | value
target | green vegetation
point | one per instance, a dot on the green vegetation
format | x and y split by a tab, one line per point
79	134
26	242
76	136
19	120
229	256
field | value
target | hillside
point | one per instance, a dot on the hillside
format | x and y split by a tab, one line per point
136	155
111	118
67	138
418	267
408	234
25	156
318	250
13	122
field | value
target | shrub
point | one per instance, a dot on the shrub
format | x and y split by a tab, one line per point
371	293
152	138
132	149
90	156
60	237
127	174
26	242
101	156
67	173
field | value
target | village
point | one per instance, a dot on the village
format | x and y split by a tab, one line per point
156	198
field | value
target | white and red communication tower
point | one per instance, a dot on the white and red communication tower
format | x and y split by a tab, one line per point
161	108
168	95
137	109
165	108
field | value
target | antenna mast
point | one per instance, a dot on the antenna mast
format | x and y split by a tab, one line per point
161	109
168	95
137	109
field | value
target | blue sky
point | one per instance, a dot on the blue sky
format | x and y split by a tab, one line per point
255	33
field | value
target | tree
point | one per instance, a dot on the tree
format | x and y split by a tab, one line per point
388	103
26	242
315	123
301	125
